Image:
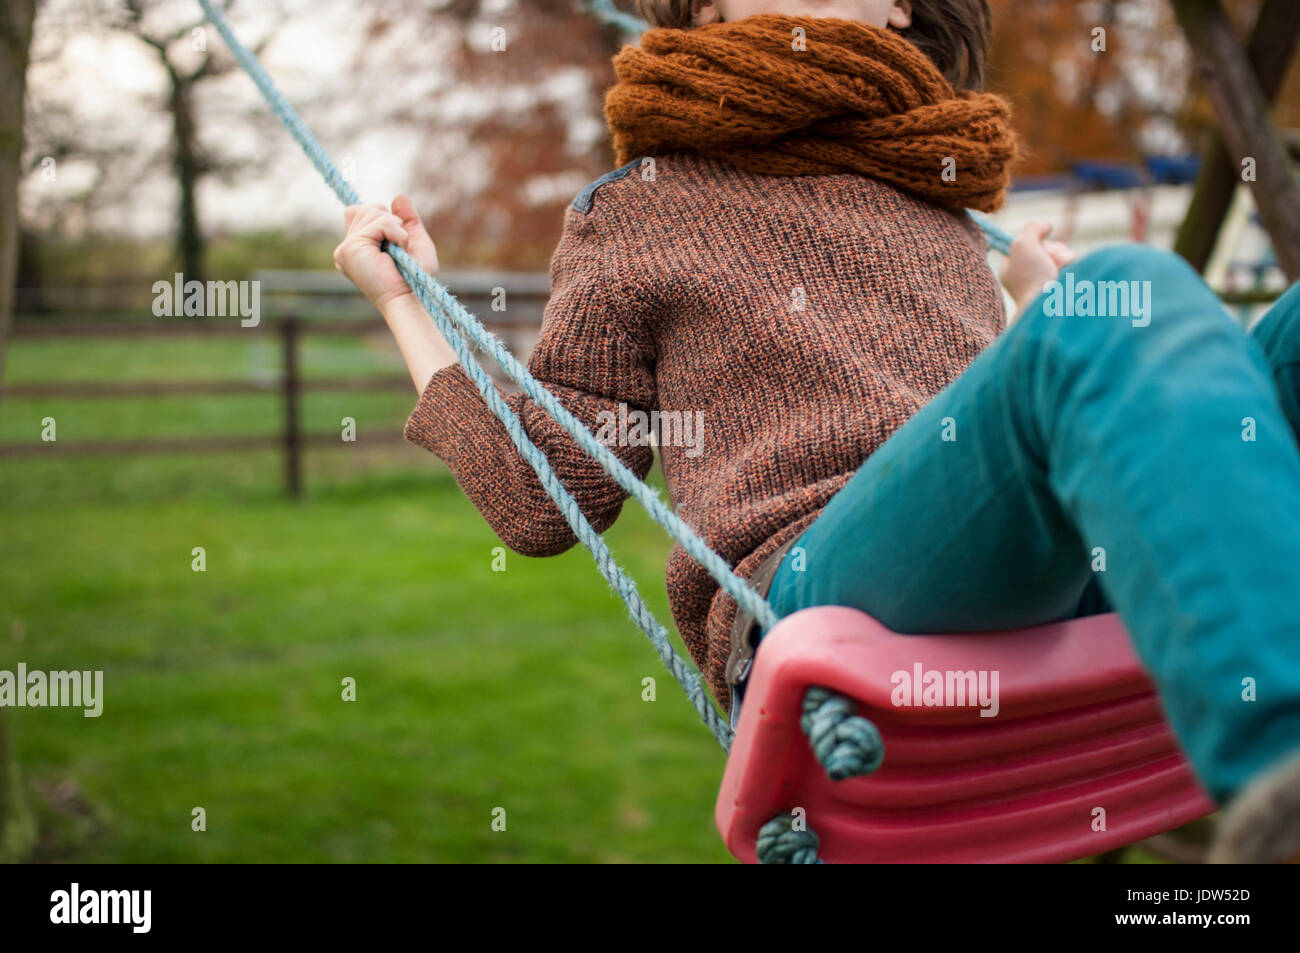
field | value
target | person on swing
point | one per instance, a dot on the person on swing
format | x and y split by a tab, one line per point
785	251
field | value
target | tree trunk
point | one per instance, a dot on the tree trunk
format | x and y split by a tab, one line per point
16	17
189	168
17	831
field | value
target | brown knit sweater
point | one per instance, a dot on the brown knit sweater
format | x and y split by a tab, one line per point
806	317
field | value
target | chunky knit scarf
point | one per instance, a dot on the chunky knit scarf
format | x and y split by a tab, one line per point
856	99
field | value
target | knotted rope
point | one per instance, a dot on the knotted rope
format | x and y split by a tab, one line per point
781	842
847	746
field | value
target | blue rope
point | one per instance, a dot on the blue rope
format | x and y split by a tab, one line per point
606	12
779	842
999	238
846	744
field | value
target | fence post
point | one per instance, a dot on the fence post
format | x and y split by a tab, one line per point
292	385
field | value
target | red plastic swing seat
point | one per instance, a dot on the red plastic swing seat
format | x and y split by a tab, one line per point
1079	728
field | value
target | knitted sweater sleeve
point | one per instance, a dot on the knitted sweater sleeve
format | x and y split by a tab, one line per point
593	358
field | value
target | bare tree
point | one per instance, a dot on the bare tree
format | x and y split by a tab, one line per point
189	162
177	37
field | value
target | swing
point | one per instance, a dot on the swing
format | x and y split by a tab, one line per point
1079	761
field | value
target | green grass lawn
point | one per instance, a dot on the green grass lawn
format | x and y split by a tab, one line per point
476	689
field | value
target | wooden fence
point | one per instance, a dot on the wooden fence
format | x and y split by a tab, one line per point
293	304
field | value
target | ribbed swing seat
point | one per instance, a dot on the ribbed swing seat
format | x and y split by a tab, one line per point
1078	759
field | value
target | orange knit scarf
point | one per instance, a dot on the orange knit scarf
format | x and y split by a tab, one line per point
858	99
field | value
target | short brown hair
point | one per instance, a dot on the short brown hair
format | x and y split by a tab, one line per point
954	34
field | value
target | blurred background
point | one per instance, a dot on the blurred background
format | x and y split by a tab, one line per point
134	149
